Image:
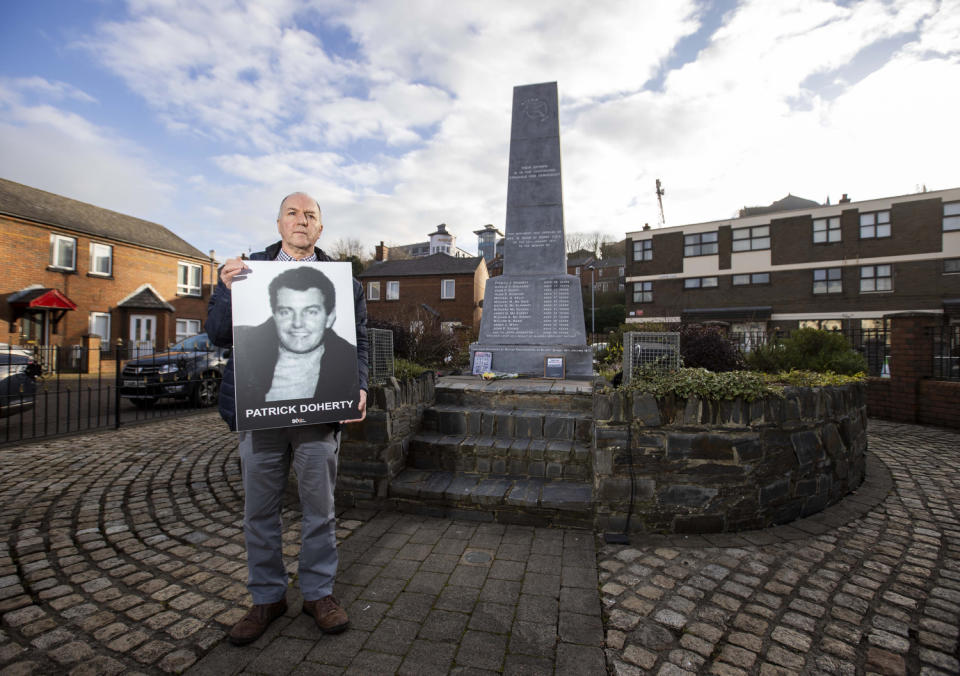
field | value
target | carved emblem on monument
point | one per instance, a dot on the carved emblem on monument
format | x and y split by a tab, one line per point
534	108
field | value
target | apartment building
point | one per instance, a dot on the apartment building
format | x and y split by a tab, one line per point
840	266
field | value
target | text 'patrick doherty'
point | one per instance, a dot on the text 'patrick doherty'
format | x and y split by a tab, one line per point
299	408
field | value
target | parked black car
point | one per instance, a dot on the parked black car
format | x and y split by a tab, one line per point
18	381
191	369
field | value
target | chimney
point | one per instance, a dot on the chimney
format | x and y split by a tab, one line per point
844	199
646	226
382	252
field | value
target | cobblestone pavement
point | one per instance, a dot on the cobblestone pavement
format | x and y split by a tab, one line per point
871	585
121	552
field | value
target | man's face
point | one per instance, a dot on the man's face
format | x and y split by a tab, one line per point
299	223
301	319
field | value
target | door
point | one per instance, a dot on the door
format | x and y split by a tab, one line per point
143	333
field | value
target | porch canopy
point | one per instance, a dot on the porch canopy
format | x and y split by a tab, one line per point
39	299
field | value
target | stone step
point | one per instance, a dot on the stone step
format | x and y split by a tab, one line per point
469	392
535	458
538	423
494	497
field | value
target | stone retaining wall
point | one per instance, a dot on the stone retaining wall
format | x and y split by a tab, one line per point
375	451
701	466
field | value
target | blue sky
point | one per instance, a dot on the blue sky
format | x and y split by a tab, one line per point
201	114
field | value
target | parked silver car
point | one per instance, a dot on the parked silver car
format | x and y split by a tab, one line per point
18	381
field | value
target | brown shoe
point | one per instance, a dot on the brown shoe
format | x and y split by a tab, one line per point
328	614
256	621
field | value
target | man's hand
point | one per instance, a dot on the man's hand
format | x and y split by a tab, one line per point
232	268
362	406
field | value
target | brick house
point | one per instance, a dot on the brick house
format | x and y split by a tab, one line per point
798	263
73	270
439	287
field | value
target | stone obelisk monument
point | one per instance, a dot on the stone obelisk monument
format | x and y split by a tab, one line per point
534	310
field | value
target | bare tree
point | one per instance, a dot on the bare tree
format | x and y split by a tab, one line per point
587	241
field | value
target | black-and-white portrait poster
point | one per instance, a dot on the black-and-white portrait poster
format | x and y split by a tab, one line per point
294	344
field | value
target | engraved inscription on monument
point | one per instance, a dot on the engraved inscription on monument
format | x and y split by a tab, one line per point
535	239
534	171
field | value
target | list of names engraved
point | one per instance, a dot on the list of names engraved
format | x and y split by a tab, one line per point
535	239
512	310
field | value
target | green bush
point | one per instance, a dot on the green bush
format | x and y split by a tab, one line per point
404	369
707	347
808	350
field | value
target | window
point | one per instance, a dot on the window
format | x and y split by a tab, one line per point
699	282
187	328
876	278
951	216
701	244
874	225
63	252
449	327
189	278
101	259
822	324
643	292
951	265
643	250
827	280
826	230
373	290
753	278
100	326
393	290
447	288
751	239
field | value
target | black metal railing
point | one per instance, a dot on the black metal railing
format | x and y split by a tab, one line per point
61	390
946	352
873	344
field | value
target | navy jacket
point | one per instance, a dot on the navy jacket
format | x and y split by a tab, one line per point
219	328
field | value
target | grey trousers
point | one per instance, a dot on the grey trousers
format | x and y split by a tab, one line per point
265	456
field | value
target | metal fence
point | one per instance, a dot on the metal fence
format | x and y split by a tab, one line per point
946	352
641	350
873	344
380	342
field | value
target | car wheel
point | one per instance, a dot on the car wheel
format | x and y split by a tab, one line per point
144	403
206	392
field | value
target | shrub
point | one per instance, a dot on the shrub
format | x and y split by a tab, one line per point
407	370
808	350
707	347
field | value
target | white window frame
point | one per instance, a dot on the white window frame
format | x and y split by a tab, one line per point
393	290
448	289
827	280
643	250
751	278
94	257
701	283
876	278
700	244
827	230
183	332
755	238
951	216
875	225
643	292
373	290
188	288
104	340
56	242
951	266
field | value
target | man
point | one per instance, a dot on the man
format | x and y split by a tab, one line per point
266	454
302	358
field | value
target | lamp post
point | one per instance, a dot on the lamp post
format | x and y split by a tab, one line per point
593	318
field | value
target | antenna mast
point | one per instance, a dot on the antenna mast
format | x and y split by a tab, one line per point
660	193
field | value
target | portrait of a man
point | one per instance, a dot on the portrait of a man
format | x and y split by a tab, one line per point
297	369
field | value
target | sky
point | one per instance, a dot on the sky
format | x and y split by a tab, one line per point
201	115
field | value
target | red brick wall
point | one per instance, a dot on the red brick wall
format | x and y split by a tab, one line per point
939	403
25	258
426	289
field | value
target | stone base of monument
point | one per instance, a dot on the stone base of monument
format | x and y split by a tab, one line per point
530	360
511	451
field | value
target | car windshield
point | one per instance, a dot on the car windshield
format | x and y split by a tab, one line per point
198	343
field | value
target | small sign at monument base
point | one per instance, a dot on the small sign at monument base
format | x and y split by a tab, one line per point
553	367
482	362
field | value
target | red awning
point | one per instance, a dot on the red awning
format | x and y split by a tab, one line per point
43	299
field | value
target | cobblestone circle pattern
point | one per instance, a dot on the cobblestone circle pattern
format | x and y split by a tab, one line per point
122	552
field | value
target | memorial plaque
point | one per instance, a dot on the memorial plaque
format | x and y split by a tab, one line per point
534	308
